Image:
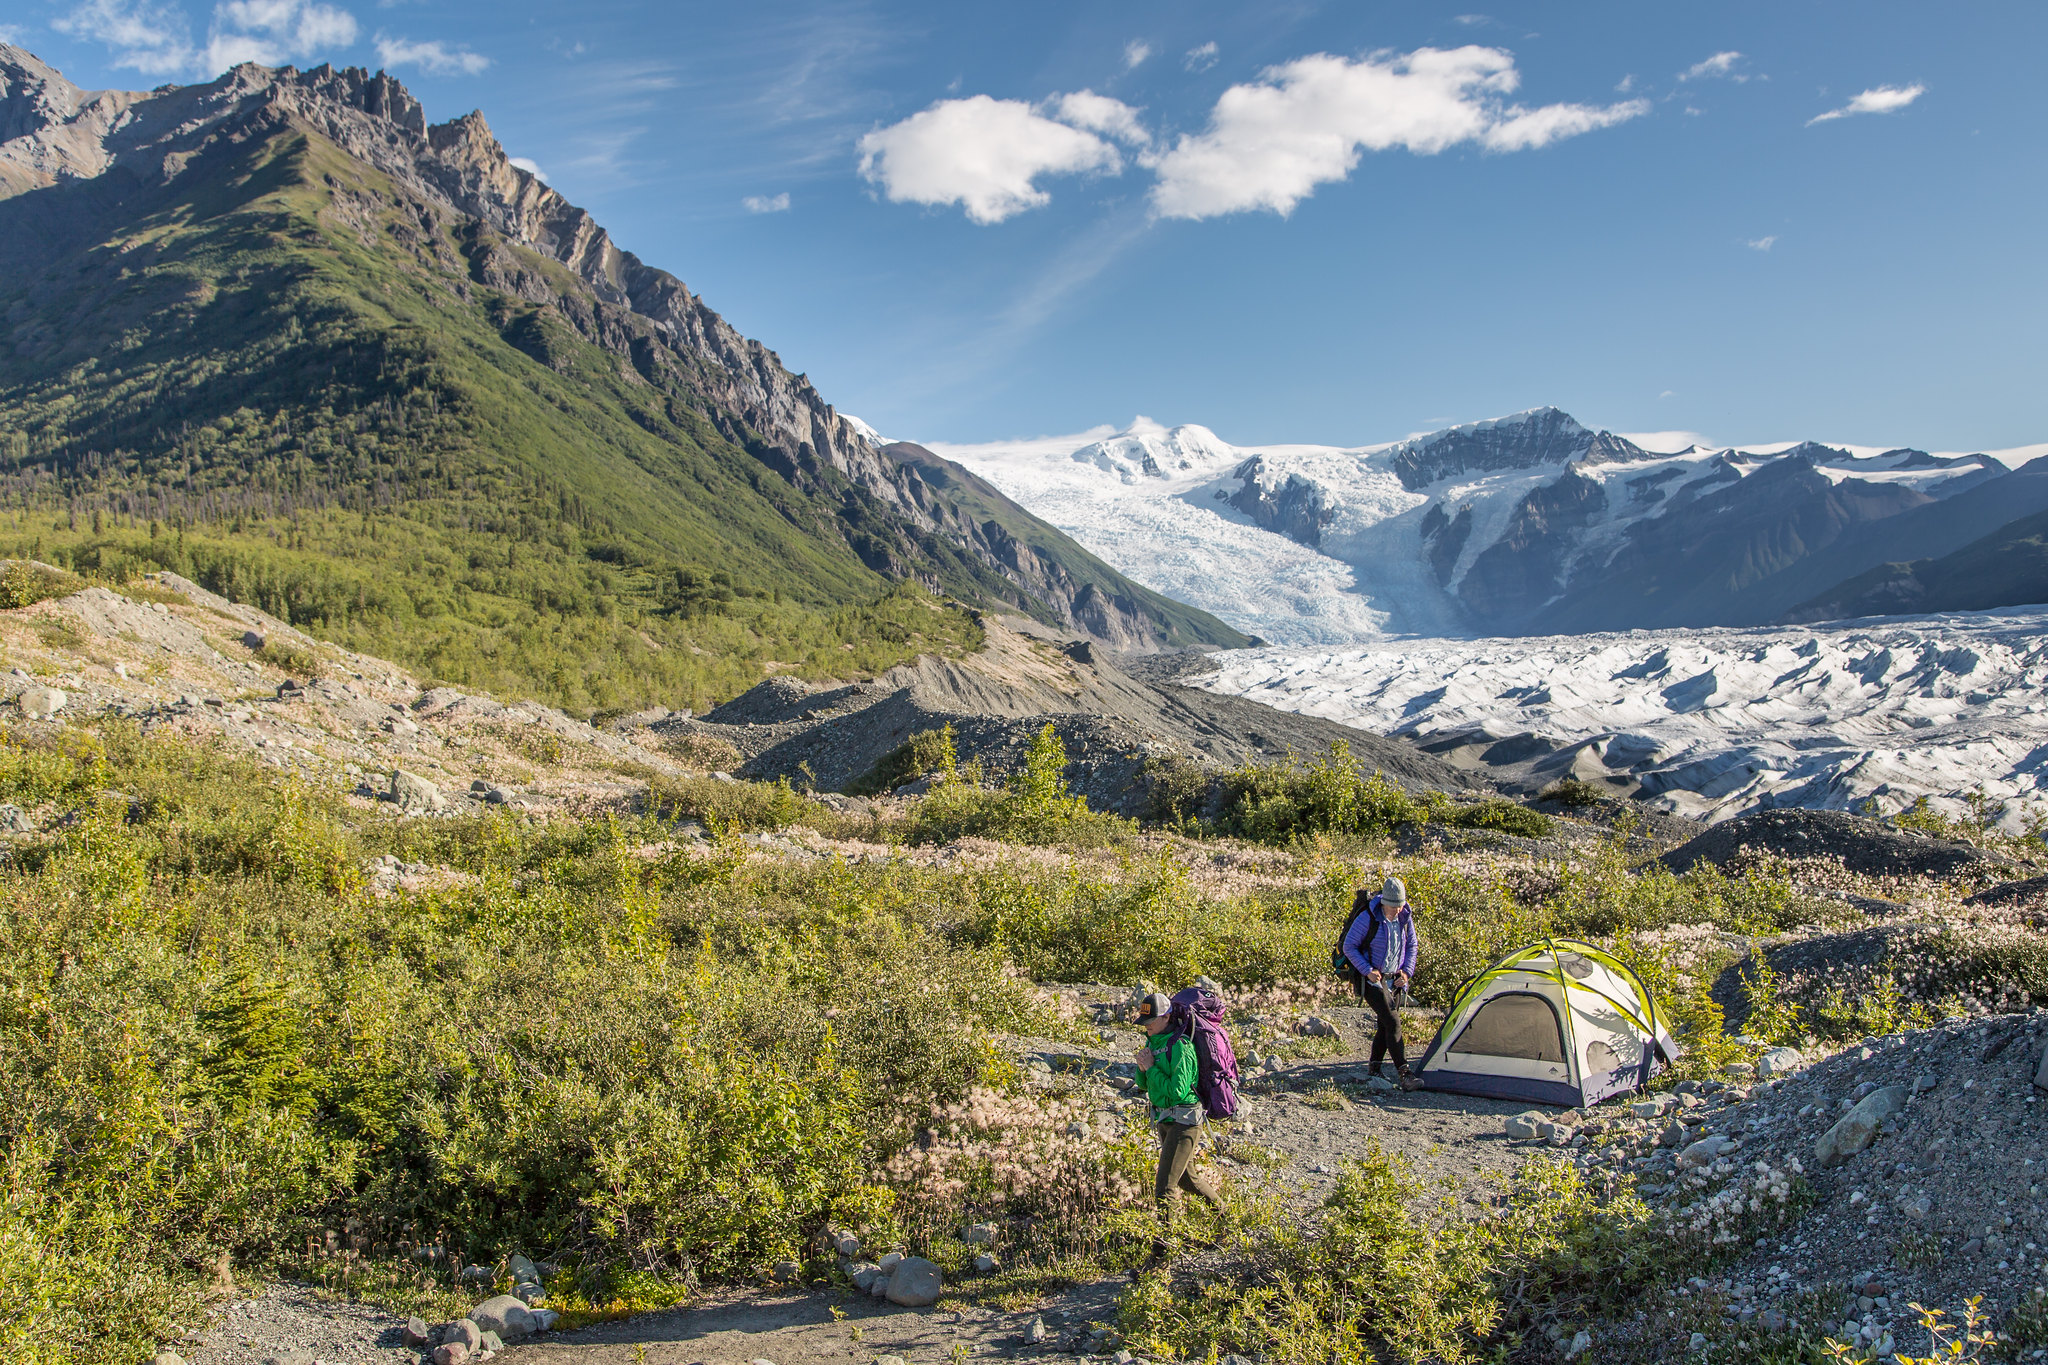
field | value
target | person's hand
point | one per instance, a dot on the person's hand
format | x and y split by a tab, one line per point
1400	981
1145	1058
1373	976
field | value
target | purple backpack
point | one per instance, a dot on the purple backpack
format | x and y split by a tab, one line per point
1198	1014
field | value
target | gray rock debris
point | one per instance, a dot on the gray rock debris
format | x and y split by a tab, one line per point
410	792
41	703
1857	1129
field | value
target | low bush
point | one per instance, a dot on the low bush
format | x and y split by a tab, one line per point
1032	807
24	583
924	753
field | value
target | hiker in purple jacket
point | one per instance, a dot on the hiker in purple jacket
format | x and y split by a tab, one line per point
1381	946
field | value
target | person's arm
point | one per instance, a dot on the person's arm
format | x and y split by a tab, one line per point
1355	944
1411	952
1158	1077
1181	1066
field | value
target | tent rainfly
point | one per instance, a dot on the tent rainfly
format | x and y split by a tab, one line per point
1559	1022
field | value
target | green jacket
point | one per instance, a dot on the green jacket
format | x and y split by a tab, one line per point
1170	1080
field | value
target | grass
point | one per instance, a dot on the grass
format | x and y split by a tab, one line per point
659	1064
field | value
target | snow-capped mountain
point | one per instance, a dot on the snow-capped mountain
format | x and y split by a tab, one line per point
1527	524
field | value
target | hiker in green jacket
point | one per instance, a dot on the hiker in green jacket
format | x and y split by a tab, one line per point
1166	1067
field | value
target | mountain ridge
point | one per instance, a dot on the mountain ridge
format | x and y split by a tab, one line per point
428	274
1532	523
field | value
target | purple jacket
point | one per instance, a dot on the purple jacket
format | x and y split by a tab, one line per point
1394	942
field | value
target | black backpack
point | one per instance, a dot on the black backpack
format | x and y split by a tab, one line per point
1341	964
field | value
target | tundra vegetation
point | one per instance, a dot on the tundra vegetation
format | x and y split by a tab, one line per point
225	1055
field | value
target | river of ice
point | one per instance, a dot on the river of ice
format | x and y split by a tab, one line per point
1717	722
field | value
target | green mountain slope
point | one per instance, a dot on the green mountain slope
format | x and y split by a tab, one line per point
363	373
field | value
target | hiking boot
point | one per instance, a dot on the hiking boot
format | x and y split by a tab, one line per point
1409	1080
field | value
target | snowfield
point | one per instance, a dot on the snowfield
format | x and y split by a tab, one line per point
1173	507
1710	723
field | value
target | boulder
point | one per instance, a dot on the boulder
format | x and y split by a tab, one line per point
522	1270
890	1261
1779	1061
1702	1153
1857	1129
411	792
1524	1125
466	1332
510	1318
985	1263
847	1244
414	1334
914	1283
450	1353
864	1276
40	703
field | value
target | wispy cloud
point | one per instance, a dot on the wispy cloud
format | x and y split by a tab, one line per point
1201	58
8	34
1882	99
435	57
766	203
1135	53
1101	114
1762	243
1472	20
1305	123
530	166
1717	67
157	38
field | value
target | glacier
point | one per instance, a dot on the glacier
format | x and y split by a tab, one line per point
1869	715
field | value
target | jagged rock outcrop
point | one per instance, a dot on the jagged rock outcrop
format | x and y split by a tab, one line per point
1287	504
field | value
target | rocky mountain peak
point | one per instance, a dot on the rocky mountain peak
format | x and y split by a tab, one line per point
1523	440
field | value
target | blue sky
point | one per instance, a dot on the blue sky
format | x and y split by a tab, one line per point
1334	222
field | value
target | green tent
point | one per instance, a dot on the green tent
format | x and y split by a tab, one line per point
1558	1022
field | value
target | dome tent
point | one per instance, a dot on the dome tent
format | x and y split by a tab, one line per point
1558	1022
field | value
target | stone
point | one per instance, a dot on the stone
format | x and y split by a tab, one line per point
979	1235
544	1319
15	820
1315	1026
414	1334
411	792
985	1263
1524	1125
1698	1342
1917	1209
846	1244
1556	1134
785	1271
891	1360
1036	1331
1673	1134
522	1270
451	1353
1702	1153
509	1317
1779	1061
40	703
493	1342
890	1261
914	1283
1972	1247
167	1358
1771	1320
1857	1129
1580	1344
1380	1085
2041	1072
253	639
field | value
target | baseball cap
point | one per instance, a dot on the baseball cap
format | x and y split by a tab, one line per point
1154	1006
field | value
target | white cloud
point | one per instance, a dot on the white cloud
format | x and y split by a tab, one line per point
530	166
8	35
435	58
1720	64
1271	142
1471	20
1883	99
1624	85
765	203
980	153
1762	243
1100	114
156	37
1201	58
1135	53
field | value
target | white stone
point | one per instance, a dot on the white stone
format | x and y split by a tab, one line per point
1779	1061
914	1283
42	702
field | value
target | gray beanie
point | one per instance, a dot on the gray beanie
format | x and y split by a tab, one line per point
1394	894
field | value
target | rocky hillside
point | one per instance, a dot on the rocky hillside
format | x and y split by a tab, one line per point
332	314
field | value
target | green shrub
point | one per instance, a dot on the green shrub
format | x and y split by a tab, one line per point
296	660
1033	806
1504	816
24	583
1280	803
1572	792
926	752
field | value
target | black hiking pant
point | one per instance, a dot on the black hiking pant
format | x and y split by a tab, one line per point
1387	1024
1177	1143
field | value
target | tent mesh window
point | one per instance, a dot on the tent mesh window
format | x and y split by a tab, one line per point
1517	1025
